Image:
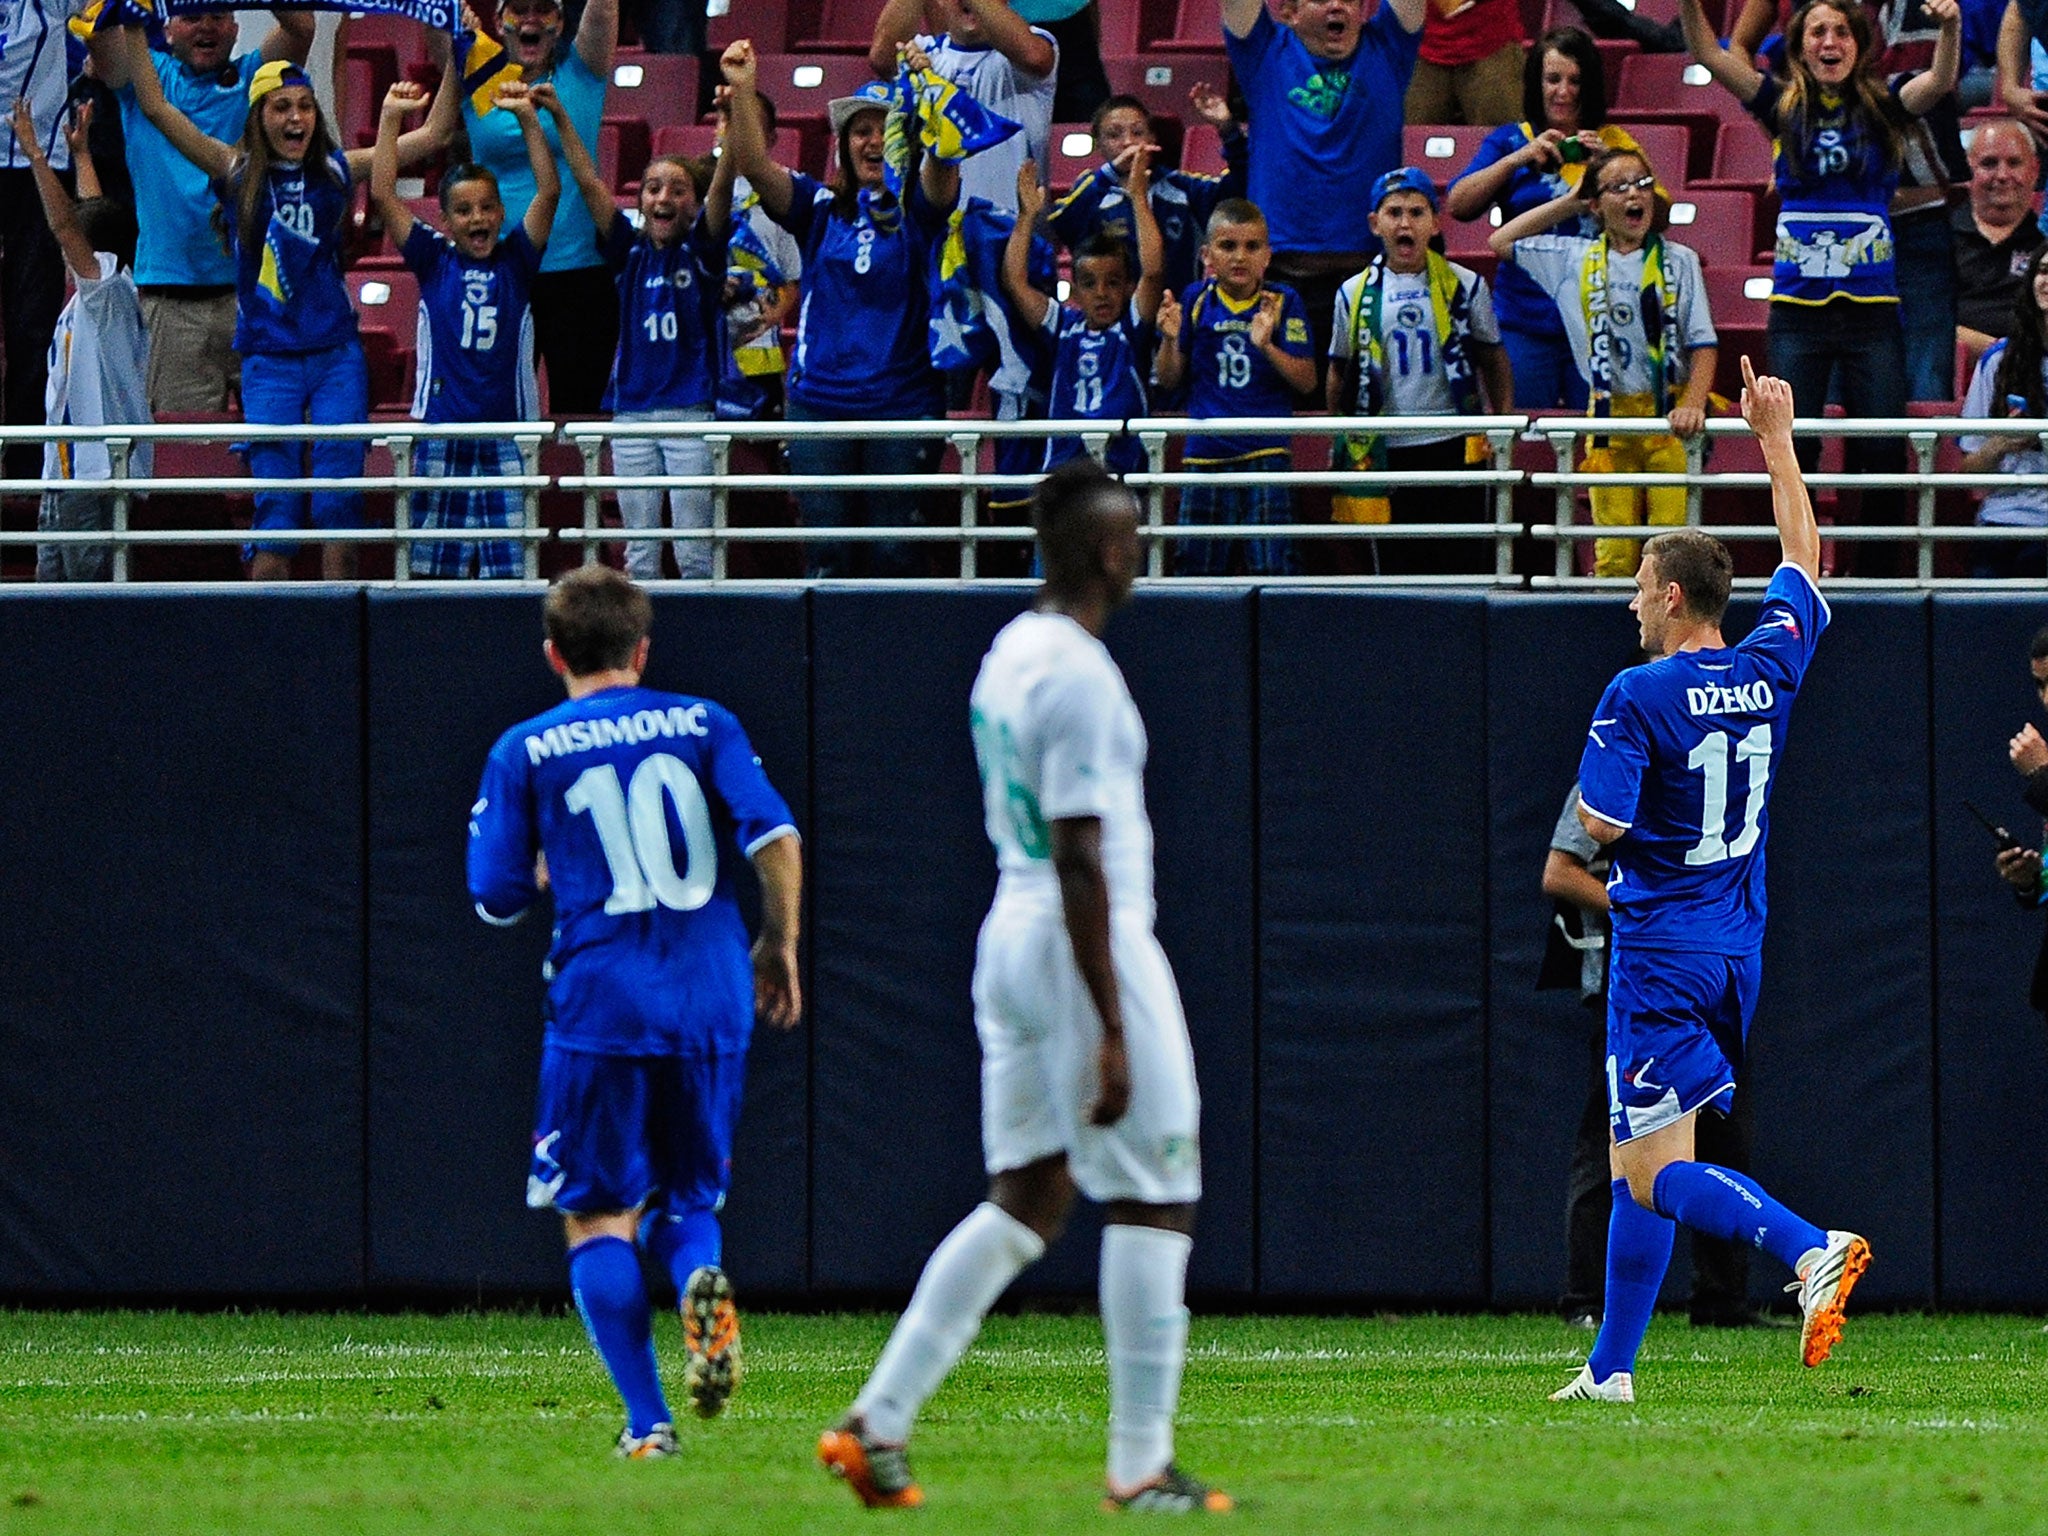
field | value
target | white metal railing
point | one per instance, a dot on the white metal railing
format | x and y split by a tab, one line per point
1566	436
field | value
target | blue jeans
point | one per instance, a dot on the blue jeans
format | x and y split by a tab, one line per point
850	508
1862	347
1545	374
328	388
1927	303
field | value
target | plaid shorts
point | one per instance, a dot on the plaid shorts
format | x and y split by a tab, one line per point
440	456
1212	504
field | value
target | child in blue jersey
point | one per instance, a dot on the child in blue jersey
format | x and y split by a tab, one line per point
1103	339
1242	346
1520	166
1103	202
863	347
1675	782
475	329
671	279
1834	291
283	192
635	808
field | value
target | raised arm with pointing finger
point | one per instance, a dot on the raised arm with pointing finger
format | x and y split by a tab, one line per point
1767	407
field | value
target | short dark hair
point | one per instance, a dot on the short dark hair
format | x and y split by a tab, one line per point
469	170
1700	564
596	619
1576	44
1103	246
1233	210
109	226
1117	103
1062	512
2038	651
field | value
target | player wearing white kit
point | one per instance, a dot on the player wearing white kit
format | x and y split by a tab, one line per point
1087	1078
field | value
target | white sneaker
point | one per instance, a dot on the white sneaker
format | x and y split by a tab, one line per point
1824	1293
1582	1388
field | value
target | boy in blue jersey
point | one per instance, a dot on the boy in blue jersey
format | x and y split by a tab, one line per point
1103	340
1676	746
631	805
1242	345
475	360
1104	203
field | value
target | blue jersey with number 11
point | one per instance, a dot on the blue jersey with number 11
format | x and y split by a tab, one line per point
1682	753
642	802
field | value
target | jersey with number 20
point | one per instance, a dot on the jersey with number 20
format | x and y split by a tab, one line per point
1682	752
642	801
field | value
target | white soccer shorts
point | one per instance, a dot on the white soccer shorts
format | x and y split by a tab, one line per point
1039	1036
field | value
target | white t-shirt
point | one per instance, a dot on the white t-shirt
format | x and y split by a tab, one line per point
99	360
1415	380
1057	736
1554	262
2022	506
991	79
33	68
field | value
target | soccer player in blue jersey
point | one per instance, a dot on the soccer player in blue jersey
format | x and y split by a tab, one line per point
1103	340
475	326
634	806
1675	781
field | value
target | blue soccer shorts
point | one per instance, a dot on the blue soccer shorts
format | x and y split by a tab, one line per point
1676	1023
613	1133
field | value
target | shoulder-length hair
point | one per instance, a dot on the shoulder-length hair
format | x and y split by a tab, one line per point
1864	93
2019	370
256	164
1577	45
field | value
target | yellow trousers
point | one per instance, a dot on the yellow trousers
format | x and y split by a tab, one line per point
1622	507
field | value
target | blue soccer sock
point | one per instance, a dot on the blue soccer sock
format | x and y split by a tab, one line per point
1638	1253
604	1275
682	1242
1723	1203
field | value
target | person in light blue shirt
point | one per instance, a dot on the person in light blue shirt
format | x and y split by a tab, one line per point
182	267
635	808
863	350
1675	783
1325	93
575	306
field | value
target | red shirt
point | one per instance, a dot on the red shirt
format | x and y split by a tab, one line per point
1480	29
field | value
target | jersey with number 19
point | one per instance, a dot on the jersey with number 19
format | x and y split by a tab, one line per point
640	800
1058	738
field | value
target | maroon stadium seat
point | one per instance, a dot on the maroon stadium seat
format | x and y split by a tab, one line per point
656	88
1739	296
1201	151
687	139
390	300
842	26
1742	155
1442	150
1070	154
803	84
1162	82
1720	225
624	146
1668	81
764	23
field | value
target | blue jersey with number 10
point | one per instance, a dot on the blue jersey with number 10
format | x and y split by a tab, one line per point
1682	753
641	801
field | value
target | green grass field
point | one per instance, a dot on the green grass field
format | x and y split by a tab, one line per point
501	1424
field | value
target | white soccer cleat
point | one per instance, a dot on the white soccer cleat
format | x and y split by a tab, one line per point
1824	1293
1582	1388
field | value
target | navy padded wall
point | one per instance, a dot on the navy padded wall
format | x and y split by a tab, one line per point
1994	1047
455	1005
181	1003
1372	833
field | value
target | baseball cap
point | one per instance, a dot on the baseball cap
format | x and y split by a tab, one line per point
1404	178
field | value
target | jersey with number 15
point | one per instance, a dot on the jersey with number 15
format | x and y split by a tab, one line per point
1682	753
642	802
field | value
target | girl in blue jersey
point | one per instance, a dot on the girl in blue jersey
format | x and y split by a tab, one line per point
475	329
283	192
671	280
1834	292
1103	340
863	351
1519	167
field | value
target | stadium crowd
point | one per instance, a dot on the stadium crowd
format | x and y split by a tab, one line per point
1568	252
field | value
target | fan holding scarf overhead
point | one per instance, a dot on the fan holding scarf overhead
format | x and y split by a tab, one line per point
1634	306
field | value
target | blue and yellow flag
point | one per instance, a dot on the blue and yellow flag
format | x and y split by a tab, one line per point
749	263
951	124
485	66
972	324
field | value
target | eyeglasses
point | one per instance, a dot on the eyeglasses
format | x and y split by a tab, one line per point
1615	188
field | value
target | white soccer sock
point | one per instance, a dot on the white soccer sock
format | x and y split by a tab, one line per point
1145	1326
961	1281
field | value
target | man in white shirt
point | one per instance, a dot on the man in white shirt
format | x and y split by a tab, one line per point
1087	1077
995	56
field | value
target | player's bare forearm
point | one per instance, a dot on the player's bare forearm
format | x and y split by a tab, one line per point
897	25
1767	407
1084	905
778	996
1566	879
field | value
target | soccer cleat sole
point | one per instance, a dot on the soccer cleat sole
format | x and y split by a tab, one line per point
711	1336
841	1453
1823	1330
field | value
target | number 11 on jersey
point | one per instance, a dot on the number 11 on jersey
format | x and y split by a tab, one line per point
1711	758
